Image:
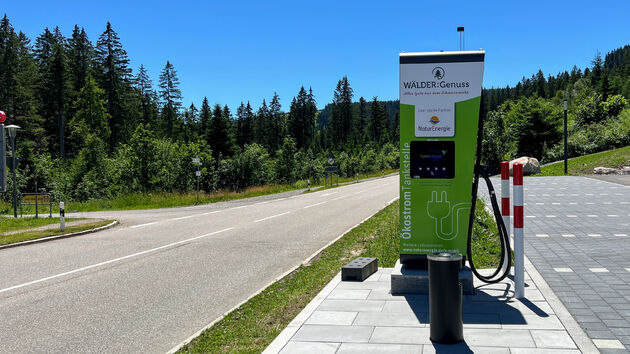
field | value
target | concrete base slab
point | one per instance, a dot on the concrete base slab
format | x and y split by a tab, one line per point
416	281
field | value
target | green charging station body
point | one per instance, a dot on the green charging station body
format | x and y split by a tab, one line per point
440	96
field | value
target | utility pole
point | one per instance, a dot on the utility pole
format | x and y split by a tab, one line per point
565	137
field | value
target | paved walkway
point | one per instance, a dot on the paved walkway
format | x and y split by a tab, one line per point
577	234
363	317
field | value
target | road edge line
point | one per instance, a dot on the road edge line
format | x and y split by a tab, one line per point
305	262
57	237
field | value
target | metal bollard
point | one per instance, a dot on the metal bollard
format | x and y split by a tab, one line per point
445	298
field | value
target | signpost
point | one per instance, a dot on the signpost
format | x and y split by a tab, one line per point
331	170
197	161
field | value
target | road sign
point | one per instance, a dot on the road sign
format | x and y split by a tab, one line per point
196	160
3	117
32	198
331	169
198	173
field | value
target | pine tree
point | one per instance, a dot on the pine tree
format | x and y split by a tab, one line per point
378	122
301	124
205	118
51	59
275	125
148	107
220	140
80	54
114	74
260	121
341	115
90	118
170	97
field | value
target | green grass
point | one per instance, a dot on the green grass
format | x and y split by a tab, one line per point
346	180
584	165
253	326
133	201
8	224
32	235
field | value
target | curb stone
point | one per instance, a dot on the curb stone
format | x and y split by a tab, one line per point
56	237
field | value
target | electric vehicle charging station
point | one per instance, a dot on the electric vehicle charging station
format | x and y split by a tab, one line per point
440	97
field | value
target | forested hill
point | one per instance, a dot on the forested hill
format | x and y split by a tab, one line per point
93	127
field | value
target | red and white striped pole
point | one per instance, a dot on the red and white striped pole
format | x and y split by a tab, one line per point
505	194
519	283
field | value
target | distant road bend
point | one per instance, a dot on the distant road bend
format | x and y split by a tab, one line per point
149	284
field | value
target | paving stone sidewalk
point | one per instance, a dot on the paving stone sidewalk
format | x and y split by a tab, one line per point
363	317
577	235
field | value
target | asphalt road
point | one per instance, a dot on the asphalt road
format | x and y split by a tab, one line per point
159	277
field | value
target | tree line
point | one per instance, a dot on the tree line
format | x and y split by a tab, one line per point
527	119
95	128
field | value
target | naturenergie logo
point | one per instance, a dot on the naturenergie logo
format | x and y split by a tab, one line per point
434	120
438	73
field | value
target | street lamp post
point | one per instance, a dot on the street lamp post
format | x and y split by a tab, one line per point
12	131
565	137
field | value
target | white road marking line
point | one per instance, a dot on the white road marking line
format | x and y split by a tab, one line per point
184	217
540	203
563	270
530	216
240	207
542	235
111	261
574	195
568	235
606	203
550	216
141	225
598	270
555	203
612	216
592	216
545	195
588	194
279	199
595	235
212	212
265	202
590	203
618	193
343	196
327	194
628	269
560	195
573	203
312	205
272	216
391	201
624	202
603	193
571	216
621	235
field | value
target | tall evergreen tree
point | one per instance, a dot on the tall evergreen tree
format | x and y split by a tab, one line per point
275	124
170	97
205	118
90	118
80	54
378	122
301	122
113	77
148	107
220	139
341	115
260	121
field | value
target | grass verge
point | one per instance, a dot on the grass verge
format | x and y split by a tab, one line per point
584	165
13	224
254	325
133	201
33	235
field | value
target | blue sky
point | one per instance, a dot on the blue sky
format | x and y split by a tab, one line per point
233	51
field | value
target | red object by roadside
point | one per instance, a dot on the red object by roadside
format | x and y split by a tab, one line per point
3	116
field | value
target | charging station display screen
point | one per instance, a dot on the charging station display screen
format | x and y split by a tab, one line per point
432	159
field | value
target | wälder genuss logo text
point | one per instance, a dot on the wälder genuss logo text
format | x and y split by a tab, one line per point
438	73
